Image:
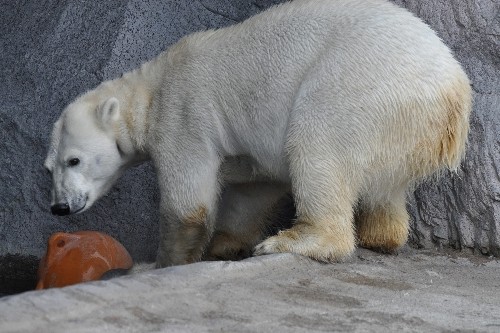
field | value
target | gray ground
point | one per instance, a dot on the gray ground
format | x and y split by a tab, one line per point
415	291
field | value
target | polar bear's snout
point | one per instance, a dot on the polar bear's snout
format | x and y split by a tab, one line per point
64	208
70	190
60	209
66	202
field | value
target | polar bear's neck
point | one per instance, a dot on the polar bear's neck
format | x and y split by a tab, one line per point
135	91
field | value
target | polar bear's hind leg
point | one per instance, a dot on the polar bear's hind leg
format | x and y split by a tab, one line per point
324	201
383	226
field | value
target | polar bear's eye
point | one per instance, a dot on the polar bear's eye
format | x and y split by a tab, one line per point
73	162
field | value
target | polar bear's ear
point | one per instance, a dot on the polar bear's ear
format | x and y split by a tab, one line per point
108	112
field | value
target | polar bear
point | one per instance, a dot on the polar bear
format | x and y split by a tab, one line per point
345	104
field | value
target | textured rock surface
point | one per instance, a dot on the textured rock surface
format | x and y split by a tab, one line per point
51	51
413	292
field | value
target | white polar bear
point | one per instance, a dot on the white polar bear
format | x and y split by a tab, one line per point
345	103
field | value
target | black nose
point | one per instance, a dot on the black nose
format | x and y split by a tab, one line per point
60	209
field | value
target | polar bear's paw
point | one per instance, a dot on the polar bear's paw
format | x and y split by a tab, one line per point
226	246
383	229
311	241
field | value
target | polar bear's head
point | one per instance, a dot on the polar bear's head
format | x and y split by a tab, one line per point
85	157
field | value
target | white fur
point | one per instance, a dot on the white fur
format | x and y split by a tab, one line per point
350	102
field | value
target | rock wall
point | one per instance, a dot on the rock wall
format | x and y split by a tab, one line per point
52	51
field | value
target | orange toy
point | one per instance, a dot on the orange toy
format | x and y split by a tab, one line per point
78	257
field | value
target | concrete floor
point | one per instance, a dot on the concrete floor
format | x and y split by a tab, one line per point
415	291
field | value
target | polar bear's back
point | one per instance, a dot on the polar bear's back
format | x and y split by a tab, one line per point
365	74
348	32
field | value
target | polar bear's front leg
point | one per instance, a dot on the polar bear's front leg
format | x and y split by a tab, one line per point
189	191
183	239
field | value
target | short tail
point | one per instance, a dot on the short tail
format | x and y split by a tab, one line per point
458	103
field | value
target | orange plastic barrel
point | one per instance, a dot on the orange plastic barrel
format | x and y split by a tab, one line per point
80	256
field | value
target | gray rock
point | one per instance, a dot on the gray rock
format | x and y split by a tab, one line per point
417	291
52	51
